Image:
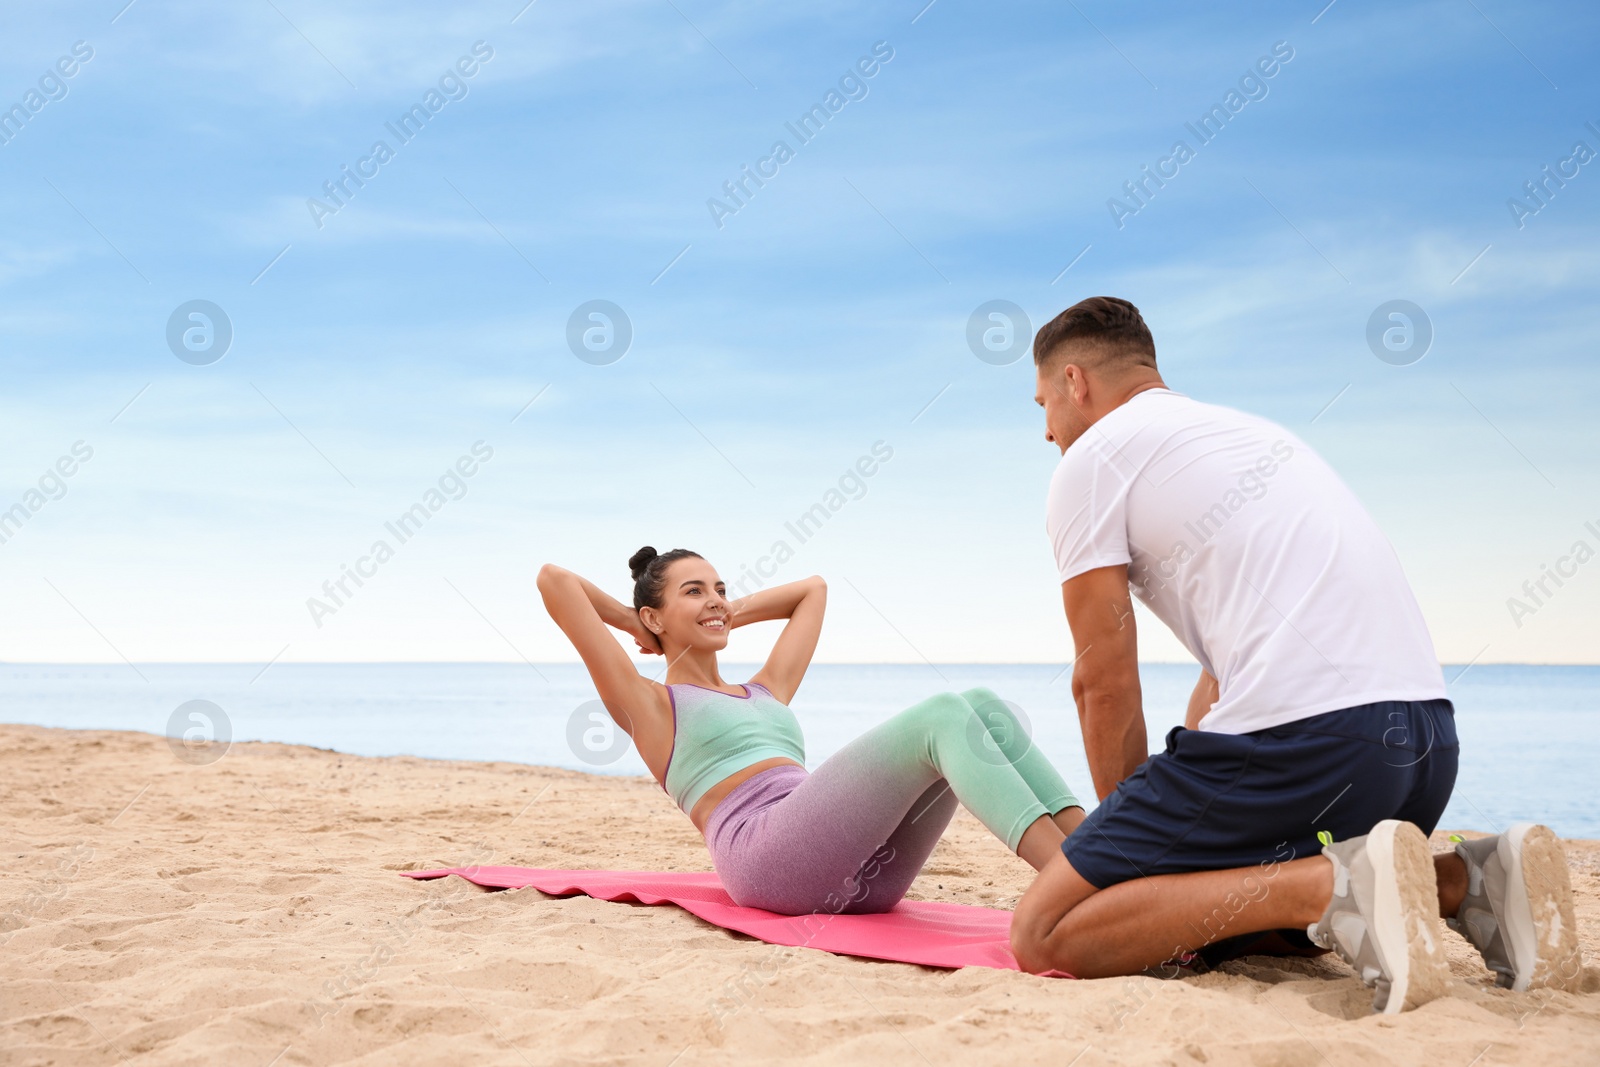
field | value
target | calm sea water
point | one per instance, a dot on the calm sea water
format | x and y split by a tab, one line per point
1530	735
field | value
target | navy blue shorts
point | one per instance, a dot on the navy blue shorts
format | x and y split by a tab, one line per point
1216	801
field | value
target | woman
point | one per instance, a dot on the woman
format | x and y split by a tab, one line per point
853	834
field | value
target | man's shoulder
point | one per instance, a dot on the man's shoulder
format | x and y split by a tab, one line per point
1154	407
1159	431
1158	413
1112	436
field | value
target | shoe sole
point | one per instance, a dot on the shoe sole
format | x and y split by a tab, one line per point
1405	922
1540	926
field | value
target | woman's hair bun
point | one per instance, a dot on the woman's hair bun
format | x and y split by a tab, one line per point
649	569
640	560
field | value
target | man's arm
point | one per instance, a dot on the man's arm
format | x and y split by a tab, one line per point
1105	675
1200	701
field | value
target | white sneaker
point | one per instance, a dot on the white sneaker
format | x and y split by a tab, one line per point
1518	909
1383	918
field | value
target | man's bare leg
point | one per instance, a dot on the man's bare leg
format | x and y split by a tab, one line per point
1451	873
1063	923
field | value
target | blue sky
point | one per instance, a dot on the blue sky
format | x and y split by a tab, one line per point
768	354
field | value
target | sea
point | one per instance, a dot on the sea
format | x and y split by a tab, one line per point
1530	735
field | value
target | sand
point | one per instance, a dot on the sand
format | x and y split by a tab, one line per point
248	912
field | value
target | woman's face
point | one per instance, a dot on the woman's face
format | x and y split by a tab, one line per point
694	609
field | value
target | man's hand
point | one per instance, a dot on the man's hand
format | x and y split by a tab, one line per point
1105	676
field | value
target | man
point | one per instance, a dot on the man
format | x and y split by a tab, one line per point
1320	714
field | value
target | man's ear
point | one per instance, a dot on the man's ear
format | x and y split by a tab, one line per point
1077	384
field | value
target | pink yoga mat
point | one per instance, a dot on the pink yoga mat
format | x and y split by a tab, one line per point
929	933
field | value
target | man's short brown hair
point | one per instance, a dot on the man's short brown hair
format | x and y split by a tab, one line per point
1107	334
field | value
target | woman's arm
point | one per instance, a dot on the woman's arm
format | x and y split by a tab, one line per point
617	615
803	604
583	611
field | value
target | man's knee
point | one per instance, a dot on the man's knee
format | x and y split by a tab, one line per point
1043	941
1027	945
1032	922
1041	926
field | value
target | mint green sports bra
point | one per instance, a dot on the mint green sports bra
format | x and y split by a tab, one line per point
718	734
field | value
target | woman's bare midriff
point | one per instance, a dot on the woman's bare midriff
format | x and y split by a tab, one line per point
701	814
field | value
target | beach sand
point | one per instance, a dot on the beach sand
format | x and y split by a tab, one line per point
248	912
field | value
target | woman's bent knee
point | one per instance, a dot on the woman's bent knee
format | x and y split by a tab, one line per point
982	696
941	708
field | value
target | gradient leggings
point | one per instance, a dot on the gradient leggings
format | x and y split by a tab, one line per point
854	834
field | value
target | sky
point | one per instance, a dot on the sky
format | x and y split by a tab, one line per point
427	335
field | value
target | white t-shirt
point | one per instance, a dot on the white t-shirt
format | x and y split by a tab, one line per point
1245	543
